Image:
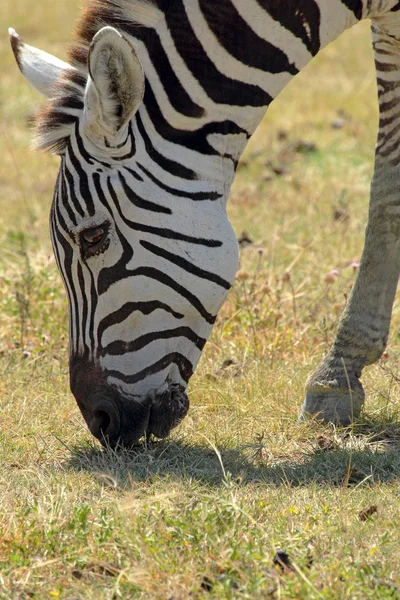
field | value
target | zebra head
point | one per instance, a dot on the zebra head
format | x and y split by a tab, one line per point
140	236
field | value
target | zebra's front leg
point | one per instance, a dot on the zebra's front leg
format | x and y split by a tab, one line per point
334	392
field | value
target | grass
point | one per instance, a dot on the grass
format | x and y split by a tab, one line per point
203	514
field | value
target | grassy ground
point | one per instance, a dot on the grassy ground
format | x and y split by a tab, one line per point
203	514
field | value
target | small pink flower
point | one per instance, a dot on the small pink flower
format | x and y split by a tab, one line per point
331	276
355	265
26	354
260	250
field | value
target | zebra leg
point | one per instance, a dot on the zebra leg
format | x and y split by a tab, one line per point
334	392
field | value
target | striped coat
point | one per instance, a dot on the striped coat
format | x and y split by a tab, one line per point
149	118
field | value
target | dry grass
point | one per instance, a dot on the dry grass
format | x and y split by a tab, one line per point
203	514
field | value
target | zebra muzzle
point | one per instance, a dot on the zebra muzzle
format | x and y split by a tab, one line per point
104	423
167	411
116	420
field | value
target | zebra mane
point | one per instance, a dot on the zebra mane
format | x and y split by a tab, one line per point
58	116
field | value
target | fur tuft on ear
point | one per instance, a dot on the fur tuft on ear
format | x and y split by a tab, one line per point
41	69
115	85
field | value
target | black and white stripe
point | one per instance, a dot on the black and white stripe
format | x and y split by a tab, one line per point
144	305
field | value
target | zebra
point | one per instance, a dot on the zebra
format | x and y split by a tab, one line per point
149	118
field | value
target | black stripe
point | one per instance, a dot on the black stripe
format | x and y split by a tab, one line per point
119	146
131	152
162	232
185	264
53	230
194	140
303	19
356	6
241	41
74	77
71	100
393	132
71	192
395	161
171	166
172	235
84	189
385	67
197	196
93	306
140	202
166	280
120	315
91	159
57	118
84	308
177	95
109	275
100	193
61	267
387	149
63	198
119	347
133	173
184	365
221	89
66	270
81	147
188	139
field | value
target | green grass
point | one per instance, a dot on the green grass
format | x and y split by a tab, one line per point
202	514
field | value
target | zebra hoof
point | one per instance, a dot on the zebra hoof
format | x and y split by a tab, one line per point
333	401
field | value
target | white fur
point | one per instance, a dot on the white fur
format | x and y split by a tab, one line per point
140	11
40	68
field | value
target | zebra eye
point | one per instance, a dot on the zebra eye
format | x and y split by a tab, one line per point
94	240
92	236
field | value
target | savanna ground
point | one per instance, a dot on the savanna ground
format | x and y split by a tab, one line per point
202	514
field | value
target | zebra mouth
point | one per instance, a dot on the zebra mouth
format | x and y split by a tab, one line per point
119	420
167	411
125	421
155	417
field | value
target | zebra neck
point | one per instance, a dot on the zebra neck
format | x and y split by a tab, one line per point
206	62
205	96
205	158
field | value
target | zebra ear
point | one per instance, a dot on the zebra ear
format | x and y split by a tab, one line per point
40	68
115	86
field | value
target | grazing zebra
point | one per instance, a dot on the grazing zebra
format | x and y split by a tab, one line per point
149	120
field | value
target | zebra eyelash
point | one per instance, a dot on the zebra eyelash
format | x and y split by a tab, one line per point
100	242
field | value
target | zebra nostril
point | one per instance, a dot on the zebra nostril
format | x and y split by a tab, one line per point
105	423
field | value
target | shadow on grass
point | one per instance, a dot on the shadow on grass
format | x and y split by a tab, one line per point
368	458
